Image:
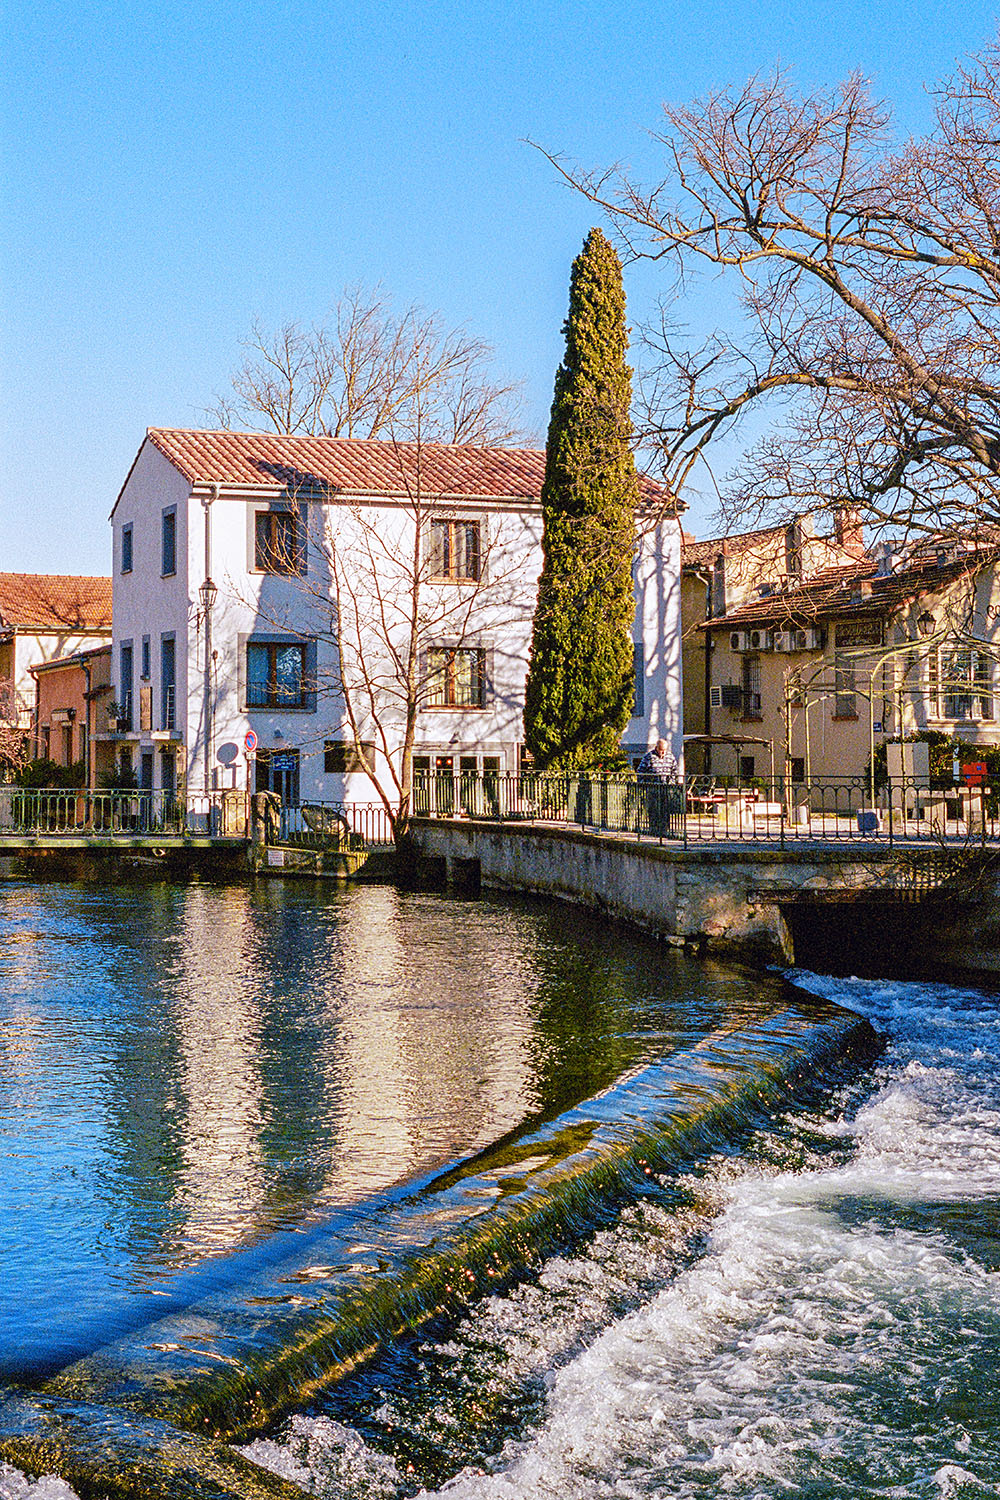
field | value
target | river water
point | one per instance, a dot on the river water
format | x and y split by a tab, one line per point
190	1076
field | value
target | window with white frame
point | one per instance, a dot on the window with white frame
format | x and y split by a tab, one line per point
960	684
453	551
456	677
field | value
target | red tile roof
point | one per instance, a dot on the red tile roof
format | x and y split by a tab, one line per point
357	465
697	554
55	602
856	589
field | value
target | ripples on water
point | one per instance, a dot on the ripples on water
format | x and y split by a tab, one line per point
837	1338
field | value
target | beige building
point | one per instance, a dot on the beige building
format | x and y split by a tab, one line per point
724	573
853	657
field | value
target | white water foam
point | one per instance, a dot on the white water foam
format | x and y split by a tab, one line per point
17	1486
838	1338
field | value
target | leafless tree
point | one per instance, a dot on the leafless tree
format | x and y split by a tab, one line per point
869	276
372	372
399	597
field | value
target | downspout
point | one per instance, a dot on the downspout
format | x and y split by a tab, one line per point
707	671
86	721
208	601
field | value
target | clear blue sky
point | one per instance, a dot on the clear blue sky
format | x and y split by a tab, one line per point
170	171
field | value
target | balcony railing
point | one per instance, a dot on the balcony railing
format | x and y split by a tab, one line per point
33	813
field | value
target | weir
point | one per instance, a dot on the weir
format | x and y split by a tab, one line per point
154	1414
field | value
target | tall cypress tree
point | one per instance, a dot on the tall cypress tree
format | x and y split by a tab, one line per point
580	685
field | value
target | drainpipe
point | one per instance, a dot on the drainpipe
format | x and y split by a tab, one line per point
208	592
86	720
707	670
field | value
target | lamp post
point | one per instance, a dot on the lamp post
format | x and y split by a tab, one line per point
207	595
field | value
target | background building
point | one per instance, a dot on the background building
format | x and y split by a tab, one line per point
44	616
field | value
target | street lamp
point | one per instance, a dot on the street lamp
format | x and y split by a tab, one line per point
208	593
926	623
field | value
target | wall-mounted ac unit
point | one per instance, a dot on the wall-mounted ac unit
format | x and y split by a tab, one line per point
808	640
726	696
729	695
784	640
738	640
760	640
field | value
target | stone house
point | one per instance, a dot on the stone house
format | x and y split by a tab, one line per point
243	563
857	656
721	574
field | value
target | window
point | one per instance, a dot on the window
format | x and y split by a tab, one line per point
341	756
453	551
277	542
67	745
961	684
845	703
125	684
127	548
639	674
751	686
747	764
168	542
144	674
798	768
168	679
276	675
456	677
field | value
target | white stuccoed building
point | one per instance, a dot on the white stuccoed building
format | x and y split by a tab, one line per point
241	560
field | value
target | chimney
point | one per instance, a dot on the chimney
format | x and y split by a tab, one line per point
848	531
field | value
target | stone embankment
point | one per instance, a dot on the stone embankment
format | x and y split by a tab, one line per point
752	901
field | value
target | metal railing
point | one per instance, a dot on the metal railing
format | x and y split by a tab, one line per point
705	809
325	825
53	811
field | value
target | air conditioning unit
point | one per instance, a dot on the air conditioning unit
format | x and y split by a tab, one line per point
784	640
760	640
729	695
808	640
738	640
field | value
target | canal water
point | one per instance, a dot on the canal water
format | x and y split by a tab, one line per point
194	1079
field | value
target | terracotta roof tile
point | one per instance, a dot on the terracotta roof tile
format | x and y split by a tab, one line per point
697	554
358	465
838	591
55	601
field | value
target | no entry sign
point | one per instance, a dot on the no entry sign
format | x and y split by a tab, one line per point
249	742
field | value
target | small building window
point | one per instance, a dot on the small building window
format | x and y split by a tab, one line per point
125	685
127	548
342	757
453	551
144	674
168	682
798	768
747	764
961	684
456	677
168	542
276	674
278	542
751	686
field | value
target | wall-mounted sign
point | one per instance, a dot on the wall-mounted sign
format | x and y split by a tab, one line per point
878	726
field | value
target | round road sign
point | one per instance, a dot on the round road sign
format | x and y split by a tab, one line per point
249	742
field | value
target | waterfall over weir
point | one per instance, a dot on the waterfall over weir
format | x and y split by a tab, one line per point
156	1412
